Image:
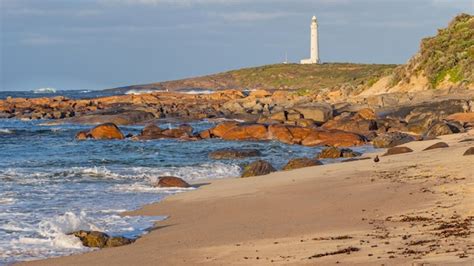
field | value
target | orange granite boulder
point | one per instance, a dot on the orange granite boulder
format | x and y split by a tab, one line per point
246	132
106	131
335	138
221	129
103	131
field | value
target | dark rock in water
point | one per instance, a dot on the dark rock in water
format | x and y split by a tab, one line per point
103	131
437	146
181	132
257	168
118	241
96	239
152	131
443	128
392	139
333	152
93	239
397	150
226	154
171	181
469	151
300	163
116	116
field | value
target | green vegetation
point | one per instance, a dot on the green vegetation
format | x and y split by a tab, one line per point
304	79
309	78
448	54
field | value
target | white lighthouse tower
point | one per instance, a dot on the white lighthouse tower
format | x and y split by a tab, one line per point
314	55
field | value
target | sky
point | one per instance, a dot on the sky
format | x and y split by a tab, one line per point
99	44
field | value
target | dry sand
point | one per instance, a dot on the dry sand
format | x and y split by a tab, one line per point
407	209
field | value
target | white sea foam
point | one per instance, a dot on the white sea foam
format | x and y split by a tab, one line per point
56	229
6	131
96	172
138	92
189	173
45	90
140	187
7	201
198	92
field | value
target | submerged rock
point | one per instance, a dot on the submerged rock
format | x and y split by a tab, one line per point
152	131
226	154
397	150
300	163
257	168
171	181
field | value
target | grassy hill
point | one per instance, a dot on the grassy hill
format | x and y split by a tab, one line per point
282	76
445	59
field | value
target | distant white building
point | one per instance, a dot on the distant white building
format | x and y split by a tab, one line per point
314	53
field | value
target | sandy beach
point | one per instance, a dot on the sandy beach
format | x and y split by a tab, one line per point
408	209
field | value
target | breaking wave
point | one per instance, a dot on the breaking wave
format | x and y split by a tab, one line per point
45	90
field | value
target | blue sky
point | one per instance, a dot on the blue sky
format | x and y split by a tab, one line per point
98	44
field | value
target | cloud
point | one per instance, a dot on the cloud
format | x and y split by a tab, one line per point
250	16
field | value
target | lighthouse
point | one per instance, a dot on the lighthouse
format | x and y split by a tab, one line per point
314	52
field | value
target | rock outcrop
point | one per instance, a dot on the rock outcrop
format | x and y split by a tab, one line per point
392	139
171	181
285	133
334	153
96	239
258	168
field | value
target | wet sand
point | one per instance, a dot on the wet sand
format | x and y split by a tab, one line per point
407	209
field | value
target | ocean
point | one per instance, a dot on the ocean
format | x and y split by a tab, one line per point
52	185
